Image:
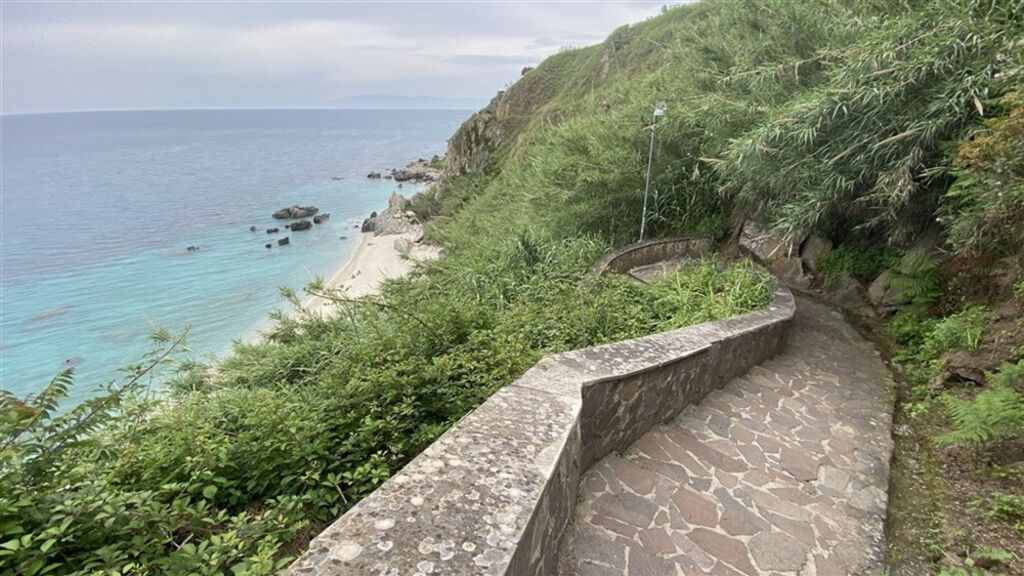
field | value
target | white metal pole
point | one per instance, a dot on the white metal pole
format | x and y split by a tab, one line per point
647	186
659	110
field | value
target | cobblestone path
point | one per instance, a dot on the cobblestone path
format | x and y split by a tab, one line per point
782	471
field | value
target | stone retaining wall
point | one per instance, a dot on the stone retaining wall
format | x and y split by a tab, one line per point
495	493
622	260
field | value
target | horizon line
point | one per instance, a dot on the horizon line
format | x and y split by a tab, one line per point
254	109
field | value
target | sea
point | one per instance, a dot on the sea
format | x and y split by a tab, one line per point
98	211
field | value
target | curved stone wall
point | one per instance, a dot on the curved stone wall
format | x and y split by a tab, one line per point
495	493
622	260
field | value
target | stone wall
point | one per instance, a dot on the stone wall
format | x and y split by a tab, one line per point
496	492
622	260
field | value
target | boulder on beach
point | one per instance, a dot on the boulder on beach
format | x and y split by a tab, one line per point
301	225
283	241
295	211
320	218
395	220
403	245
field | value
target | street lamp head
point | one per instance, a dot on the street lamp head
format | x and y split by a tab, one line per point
659	108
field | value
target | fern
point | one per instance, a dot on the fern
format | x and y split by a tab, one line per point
918	279
995	413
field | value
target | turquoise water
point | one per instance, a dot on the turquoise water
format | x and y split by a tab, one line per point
98	209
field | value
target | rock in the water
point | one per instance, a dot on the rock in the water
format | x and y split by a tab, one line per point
252	228
192	249
295	212
320	218
301	225
268	245
373	175
342	237
814	247
273	230
336	178
283	241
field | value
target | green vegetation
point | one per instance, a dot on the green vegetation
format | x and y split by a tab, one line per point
233	468
863	263
927	340
993	414
867	122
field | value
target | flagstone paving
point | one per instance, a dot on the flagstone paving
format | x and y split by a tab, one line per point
782	471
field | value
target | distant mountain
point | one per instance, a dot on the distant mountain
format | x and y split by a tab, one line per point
374	101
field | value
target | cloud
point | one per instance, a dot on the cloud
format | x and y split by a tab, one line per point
334	50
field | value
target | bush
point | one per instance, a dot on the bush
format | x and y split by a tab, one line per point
863	263
928	340
994	413
287	434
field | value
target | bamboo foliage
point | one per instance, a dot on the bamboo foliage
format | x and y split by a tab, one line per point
864	143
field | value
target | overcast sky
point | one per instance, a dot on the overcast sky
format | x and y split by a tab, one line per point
60	56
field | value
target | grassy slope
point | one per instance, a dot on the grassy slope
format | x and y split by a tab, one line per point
820	114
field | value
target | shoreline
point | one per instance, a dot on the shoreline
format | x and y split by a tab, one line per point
374	260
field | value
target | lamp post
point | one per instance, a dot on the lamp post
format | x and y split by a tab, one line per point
659	111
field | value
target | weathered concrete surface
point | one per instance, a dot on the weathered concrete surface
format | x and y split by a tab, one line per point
783	471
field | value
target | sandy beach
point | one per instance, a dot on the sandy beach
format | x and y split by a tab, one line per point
374	260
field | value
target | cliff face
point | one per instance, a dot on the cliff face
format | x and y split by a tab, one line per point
535	97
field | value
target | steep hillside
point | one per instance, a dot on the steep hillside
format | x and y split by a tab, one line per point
887	135
885	138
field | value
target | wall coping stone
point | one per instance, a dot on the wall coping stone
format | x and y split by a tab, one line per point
496	492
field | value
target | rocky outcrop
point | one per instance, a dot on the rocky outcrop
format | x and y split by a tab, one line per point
295	212
301	225
766	246
395	220
419	171
847	292
814	247
780	254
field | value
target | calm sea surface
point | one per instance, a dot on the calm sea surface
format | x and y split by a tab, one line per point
98	209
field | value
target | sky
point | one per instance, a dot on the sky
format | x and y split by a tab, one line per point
67	56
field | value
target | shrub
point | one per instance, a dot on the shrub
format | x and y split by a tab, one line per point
994	413
863	263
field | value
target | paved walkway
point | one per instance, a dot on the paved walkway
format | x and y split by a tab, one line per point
782	471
